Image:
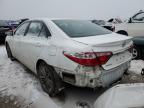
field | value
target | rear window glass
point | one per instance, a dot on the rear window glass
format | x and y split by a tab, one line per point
80	28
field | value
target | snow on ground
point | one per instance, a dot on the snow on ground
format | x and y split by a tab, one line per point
3	56
136	66
16	80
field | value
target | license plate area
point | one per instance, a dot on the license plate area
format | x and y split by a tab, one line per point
110	76
117	59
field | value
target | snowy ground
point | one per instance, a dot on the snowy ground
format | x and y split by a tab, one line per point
17	82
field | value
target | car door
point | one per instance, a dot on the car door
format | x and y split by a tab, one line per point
136	26
33	42
16	39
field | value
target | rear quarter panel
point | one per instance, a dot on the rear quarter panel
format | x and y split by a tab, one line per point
54	54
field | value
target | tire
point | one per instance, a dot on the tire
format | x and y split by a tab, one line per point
136	53
46	77
123	33
9	53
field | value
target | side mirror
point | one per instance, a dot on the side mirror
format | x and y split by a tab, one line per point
9	33
130	20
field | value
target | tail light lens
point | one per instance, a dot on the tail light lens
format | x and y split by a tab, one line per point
103	57
89	58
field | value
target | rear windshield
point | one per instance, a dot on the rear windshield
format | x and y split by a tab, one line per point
80	28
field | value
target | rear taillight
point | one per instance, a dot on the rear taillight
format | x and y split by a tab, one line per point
89	58
103	57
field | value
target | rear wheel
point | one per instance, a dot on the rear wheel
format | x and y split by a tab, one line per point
9	53
46	76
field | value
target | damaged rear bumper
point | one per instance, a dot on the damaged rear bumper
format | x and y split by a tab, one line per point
97	78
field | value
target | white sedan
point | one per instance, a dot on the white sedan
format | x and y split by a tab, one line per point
78	52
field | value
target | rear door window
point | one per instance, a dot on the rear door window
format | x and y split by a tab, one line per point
44	32
34	29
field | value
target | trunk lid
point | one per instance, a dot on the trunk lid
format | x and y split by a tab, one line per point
102	39
115	43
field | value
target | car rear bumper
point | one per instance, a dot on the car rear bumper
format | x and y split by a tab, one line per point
110	76
104	79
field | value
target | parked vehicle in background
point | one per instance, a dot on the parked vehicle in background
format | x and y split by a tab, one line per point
8	25
15	23
104	24
122	96
4	27
133	27
23	20
78	52
138	50
115	20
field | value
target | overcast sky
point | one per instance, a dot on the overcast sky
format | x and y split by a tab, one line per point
87	9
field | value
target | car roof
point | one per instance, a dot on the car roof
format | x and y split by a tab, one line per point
50	19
